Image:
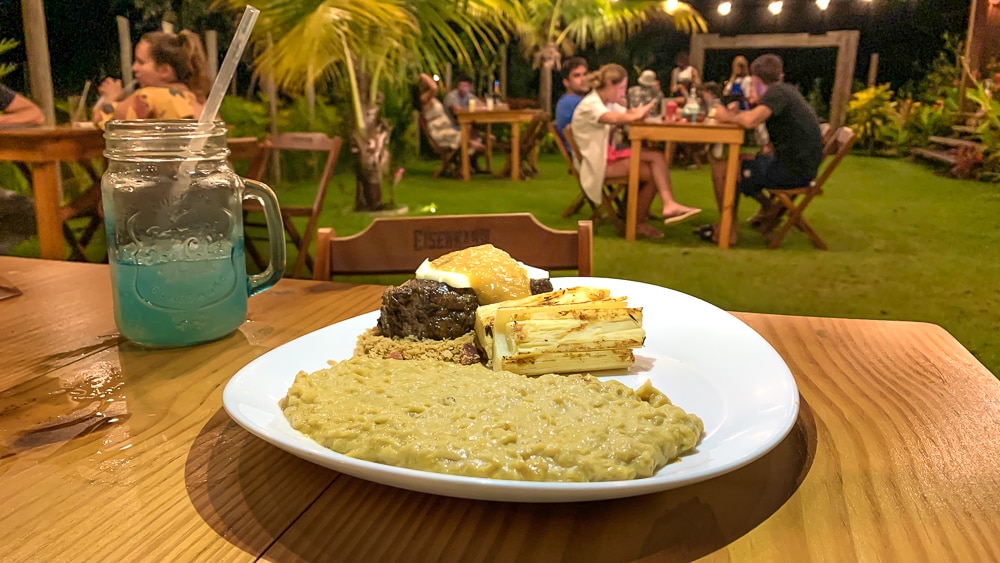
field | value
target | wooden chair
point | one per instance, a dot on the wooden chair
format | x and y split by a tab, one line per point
836	148
450	158
399	245
306	142
611	206
533	132
249	150
581	198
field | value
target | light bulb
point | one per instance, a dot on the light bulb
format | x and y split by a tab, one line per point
822	4
437	78
725	8
670	6
775	7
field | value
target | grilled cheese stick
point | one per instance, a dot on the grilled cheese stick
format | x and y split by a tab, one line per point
572	330
486	314
567	338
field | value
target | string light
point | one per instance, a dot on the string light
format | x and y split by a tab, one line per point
822	4
775	7
437	78
726	7
670	6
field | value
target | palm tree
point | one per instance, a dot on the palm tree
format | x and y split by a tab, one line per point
553	28
364	46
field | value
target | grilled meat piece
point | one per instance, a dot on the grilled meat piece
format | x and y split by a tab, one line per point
541	286
427	309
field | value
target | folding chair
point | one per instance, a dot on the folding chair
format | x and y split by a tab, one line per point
86	206
307	142
399	245
249	150
574	207
611	194
530	135
837	147
450	158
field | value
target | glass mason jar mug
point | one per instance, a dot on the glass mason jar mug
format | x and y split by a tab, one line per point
174	219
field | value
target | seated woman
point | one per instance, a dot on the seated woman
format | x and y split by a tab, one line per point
173	81
439	126
591	126
172	74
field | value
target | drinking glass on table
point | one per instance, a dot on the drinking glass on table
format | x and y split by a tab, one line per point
174	222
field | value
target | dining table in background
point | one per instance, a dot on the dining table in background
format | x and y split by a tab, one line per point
489	117
684	132
43	148
112	452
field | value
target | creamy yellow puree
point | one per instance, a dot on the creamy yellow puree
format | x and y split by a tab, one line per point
469	420
492	273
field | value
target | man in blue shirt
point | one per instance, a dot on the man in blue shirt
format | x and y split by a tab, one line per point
577	86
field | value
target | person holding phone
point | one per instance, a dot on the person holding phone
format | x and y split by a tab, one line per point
591	127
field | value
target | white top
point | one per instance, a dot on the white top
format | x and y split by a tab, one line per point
591	137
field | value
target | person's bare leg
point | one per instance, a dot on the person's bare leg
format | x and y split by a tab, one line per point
660	176
646	195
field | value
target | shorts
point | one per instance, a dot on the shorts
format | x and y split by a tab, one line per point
764	171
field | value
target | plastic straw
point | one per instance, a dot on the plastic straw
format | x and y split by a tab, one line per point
233	55
218	92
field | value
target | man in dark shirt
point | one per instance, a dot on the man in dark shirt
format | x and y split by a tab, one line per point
794	132
15	109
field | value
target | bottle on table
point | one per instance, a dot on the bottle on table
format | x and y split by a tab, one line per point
692	108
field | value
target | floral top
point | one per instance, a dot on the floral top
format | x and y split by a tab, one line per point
154	102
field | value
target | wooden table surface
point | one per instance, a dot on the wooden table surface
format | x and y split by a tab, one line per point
109	452
488	117
683	132
44	148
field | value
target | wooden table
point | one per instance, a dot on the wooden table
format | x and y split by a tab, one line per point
109	452
681	132
515	117
44	148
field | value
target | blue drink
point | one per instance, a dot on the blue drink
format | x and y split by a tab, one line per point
174	218
177	297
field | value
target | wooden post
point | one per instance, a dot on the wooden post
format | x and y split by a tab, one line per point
36	43
272	104
212	52
447	77
872	69
503	71
847	54
125	48
311	94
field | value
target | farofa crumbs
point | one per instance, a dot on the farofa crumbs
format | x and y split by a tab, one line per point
461	350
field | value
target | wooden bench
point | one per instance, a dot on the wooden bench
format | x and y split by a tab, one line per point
931	154
952	142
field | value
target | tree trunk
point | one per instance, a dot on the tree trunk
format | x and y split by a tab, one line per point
372	149
547	60
545	88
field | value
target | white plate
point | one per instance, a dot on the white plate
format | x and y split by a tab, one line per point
707	361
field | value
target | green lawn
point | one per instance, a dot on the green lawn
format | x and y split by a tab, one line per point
904	243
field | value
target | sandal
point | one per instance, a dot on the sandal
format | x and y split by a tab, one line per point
682	216
706	235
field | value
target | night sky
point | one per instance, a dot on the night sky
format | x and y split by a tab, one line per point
906	34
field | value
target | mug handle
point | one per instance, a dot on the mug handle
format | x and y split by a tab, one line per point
275	235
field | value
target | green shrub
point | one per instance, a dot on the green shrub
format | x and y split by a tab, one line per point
872	115
245	118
